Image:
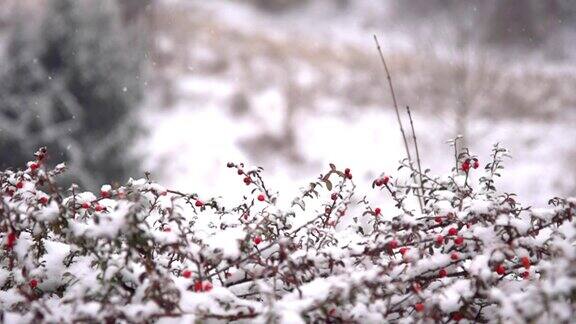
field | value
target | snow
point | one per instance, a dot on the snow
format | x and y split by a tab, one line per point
123	259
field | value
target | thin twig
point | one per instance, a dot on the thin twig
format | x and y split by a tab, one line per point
417	152
389	78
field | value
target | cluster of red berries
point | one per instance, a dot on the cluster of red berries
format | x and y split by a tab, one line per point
382	181
199	286
97	206
247	180
347	173
526	263
470	163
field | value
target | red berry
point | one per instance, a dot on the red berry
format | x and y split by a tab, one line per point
438	219
466	166
247	180
459	240
230	164
186	273
207	286
257	240
167	229
10	240
327	210
240	172
334	196
20	185
454	256
347	173
442	273
34	166
261	197
440	239
33	283
98	208
377	211
378	182
393	244
526	262
457	316
452	231
526	275
385	180
104	194
85	205
198	286
403	250
43	200
500	269
419	307
332	311
199	203
476	164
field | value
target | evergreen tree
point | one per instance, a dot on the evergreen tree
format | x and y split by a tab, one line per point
82	80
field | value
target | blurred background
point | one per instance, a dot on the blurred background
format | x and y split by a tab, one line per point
180	87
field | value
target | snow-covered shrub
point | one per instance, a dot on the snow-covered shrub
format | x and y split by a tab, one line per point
141	252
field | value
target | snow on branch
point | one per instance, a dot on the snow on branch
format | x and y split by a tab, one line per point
144	252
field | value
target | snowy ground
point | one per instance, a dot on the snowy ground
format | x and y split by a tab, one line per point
192	140
191	148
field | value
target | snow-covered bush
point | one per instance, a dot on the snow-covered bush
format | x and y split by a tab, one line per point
141	252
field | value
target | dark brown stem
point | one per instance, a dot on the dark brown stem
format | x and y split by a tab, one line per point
417	158
395	103
389	78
